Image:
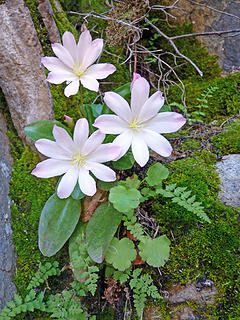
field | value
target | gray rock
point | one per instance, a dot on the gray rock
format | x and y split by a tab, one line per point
46	12
22	78
181	294
7	255
185	313
214	15
229	172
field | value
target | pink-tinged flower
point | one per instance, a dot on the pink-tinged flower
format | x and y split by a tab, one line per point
74	63
140	125
75	158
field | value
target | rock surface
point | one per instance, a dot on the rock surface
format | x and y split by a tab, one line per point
46	12
22	77
192	292
229	172
7	256
212	15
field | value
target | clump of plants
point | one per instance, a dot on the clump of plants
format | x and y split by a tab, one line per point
111	233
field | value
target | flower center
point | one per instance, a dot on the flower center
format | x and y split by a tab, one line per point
78	70
78	160
135	123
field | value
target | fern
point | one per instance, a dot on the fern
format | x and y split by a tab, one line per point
183	198
84	268
18	305
66	306
135	228
142	287
121	276
48	270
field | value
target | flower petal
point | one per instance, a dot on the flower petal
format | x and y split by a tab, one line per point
101	171
100	70
58	78
110	124
52	149
56	65
93	142
151	106
92	53
63	54
140	150
124	141
69	43
166	122
50	168
157	143
67	183
72	88
135	77
86	183
84	43
118	105
81	132
104	153
139	95
89	83
64	140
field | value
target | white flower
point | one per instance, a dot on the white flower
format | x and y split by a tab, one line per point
74	63
75	158
140	125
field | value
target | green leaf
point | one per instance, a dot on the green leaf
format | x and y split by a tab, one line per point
58	220
100	231
42	129
124	90
126	162
155	251
96	109
106	186
156	173
77	193
130	182
165	108
124	199
121	253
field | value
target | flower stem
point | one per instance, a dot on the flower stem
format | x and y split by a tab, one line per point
81	93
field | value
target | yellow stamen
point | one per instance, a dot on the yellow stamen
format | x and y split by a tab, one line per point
78	70
78	160
134	123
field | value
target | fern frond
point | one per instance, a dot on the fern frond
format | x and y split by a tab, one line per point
183	198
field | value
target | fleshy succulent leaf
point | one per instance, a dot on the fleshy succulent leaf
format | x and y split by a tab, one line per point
100	231
58	220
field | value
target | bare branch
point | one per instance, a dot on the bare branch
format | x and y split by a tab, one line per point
174	46
207	33
101	16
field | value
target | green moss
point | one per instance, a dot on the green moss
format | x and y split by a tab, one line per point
202	249
190	144
228	142
224	101
29	195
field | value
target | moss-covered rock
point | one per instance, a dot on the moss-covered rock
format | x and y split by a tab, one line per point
224	101
228	141
200	250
